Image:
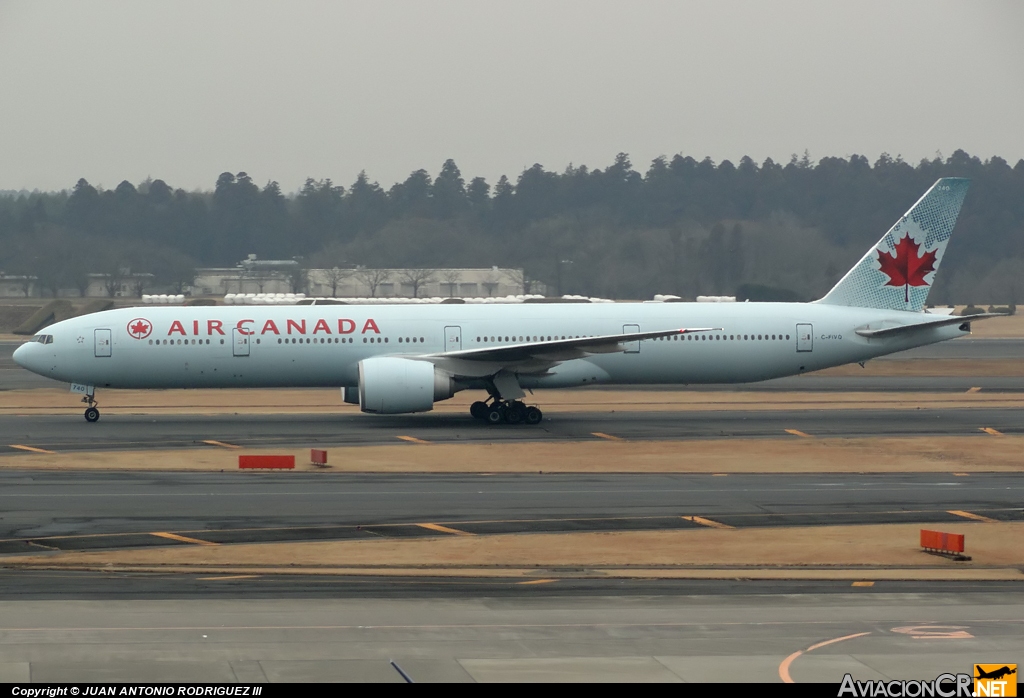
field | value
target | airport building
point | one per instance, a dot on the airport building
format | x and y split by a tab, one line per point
258	276
286	276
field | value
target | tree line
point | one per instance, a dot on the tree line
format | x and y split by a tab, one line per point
683	226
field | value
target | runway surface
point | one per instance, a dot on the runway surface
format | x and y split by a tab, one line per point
71	433
92	511
536	636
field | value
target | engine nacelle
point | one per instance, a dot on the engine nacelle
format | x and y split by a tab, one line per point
390	385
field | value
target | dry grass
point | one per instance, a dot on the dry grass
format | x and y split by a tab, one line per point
787	454
863	552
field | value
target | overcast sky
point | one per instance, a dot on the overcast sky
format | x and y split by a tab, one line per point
287	90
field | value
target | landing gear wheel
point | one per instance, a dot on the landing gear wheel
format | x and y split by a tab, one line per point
533	416
478	410
494	415
92	414
515	413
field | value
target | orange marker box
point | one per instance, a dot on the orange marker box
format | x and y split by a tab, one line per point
268	462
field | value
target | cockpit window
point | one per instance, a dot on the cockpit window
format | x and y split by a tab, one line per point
43	338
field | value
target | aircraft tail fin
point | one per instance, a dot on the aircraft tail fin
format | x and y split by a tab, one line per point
898	272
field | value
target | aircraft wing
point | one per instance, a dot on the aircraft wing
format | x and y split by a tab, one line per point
913	327
533	357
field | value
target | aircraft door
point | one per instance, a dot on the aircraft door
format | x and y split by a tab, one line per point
453	338
239	342
103	342
631	347
804	337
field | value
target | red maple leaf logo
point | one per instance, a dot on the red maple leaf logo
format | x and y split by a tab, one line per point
139	328
908	266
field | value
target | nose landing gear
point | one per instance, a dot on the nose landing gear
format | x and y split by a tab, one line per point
509	412
92	413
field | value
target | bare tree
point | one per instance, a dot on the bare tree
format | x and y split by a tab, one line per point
139	283
334	277
113	279
81	281
334	267
450	278
298	278
177	270
522	279
417	278
27	282
261	280
373	278
490	283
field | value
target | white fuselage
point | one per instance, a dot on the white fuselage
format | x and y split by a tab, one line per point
321	345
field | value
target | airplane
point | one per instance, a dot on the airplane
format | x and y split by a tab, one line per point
996	673
403	358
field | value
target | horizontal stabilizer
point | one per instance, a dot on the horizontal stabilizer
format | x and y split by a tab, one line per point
943	322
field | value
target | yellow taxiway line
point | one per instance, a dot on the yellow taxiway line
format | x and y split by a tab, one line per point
707	522
444	529
412	439
33	449
784	667
973	517
182	539
211	442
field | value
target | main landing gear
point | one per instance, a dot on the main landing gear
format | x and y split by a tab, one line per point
498	411
92	413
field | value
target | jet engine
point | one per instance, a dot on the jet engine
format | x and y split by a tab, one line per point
390	385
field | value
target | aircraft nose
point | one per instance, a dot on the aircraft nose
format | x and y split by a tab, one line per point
21	354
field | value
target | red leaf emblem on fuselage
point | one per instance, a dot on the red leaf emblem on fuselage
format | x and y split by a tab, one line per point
140	328
908	266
